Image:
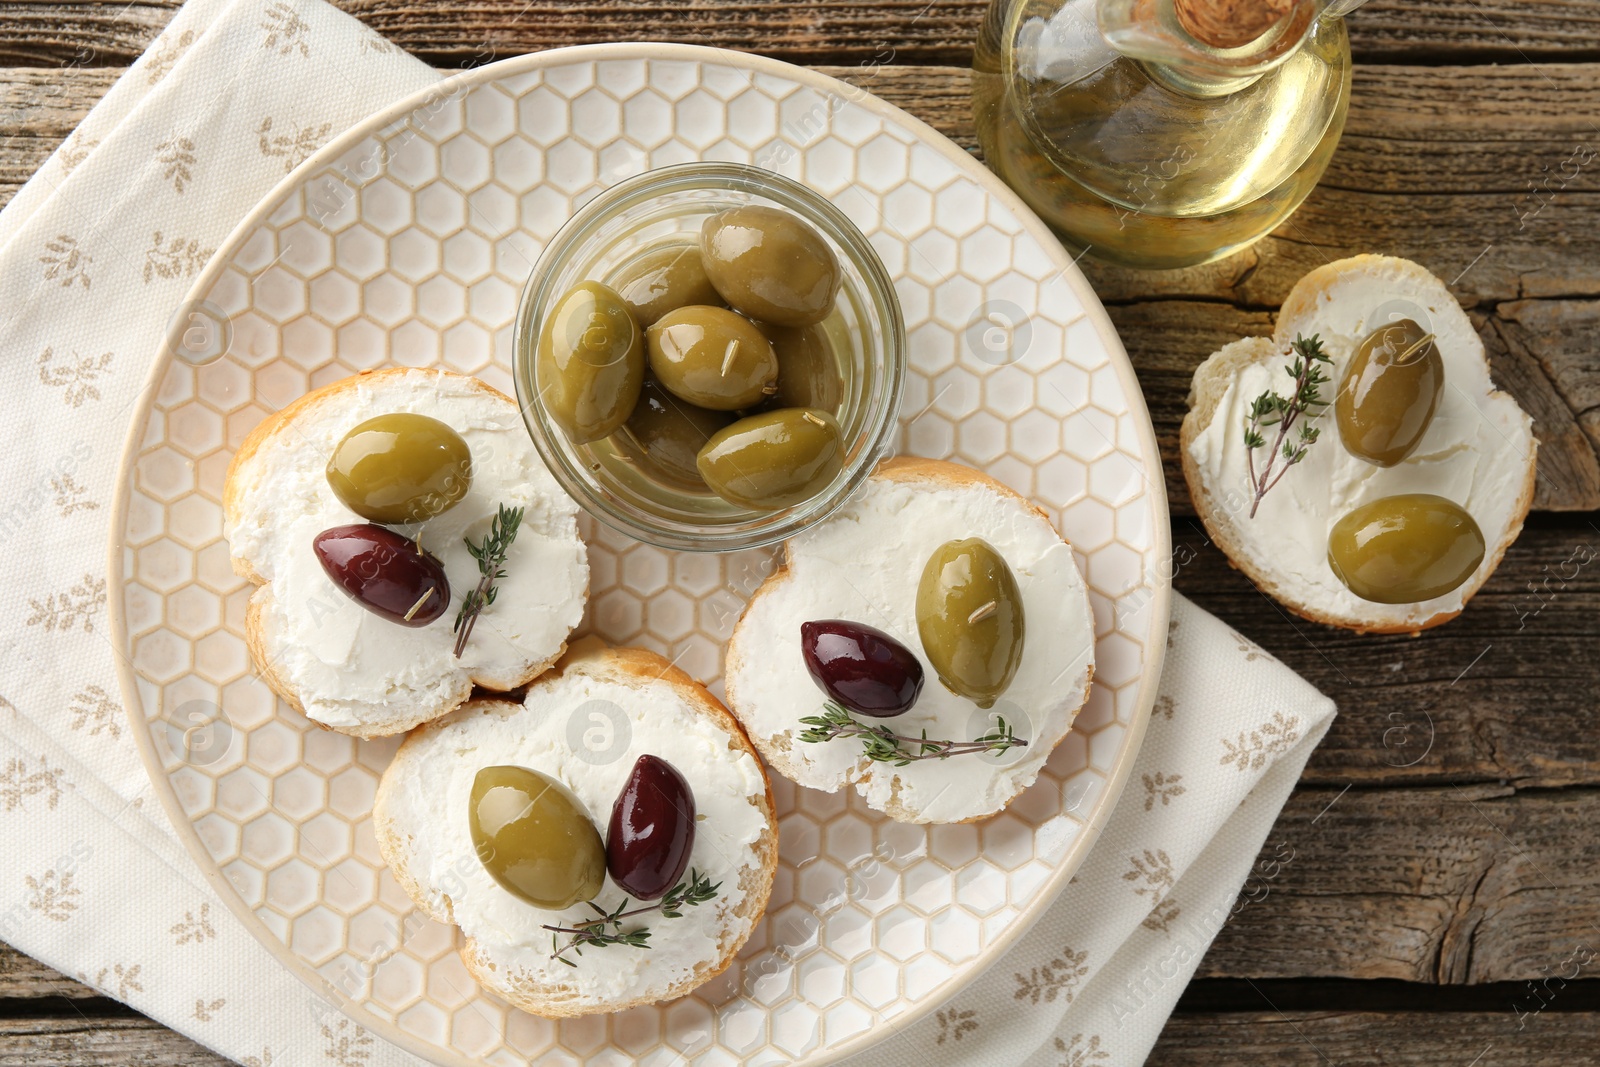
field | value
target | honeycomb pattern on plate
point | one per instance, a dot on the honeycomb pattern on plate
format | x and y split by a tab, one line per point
409	247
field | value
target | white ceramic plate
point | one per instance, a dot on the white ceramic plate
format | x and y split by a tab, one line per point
405	241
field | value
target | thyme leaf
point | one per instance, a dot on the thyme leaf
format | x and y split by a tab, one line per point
491	557
882	745
606	930
1284	412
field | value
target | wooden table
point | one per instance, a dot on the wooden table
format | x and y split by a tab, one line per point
1442	888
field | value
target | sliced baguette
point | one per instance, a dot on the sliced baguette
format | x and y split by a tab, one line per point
414	812
1343	302
344	667
863	564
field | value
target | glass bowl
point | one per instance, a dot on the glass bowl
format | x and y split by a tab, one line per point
666	207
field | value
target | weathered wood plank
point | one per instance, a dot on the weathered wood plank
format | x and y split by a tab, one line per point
23	977
97	1041
1374	1039
1490	697
1451	885
837	31
1289	1039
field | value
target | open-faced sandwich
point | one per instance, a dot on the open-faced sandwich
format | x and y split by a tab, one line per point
606	842
408	544
928	644
1380	487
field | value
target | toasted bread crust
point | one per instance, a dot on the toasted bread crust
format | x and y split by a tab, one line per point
639	669
1210	385
906	470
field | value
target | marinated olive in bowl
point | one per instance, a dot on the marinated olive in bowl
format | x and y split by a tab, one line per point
669	432
712	357
1405	549
591	362
400	468
808	371
664	280
770	265
775	459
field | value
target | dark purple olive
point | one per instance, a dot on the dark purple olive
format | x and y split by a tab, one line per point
861	667
384	572
652	829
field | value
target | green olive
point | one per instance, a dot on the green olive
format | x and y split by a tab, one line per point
669	433
808	374
771	265
590	362
773	460
712	357
969	615
1389	393
664	280
400	468
535	838
1405	549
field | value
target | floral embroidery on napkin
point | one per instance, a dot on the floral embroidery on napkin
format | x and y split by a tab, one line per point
165	57
347	1045
1078	1053
75	151
1164	786
64	611
177	153
67	492
52	895
194	929
204	1011
176	258
1058	978
77	379
286	30
1253	752
92	704
1162	916
65	260
17	784
292	148
1155	869
127	980
955	1023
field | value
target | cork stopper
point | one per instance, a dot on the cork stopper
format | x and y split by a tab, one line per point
1230	23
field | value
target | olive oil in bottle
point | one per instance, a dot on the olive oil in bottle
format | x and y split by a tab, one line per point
1161	133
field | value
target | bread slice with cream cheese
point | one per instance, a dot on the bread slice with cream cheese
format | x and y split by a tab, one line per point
345	667
584	723
863	564
1479	451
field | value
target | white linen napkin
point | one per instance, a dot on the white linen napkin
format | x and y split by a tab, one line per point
96	252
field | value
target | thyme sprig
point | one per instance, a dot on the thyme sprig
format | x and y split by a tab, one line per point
491	557
607	929
1273	409
882	745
